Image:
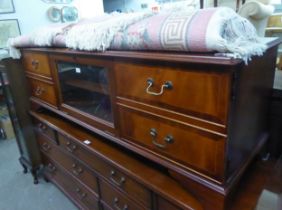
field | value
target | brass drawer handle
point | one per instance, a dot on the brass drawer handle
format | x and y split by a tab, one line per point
76	169
51	168
167	139
118	183
35	64
80	193
39	91
46	147
167	85
116	201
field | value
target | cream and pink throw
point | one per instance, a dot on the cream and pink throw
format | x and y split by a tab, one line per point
189	30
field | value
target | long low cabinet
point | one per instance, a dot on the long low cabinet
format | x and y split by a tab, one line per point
148	130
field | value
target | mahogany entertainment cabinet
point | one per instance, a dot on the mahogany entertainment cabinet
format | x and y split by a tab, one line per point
148	130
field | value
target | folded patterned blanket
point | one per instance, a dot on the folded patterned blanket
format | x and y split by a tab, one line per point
202	30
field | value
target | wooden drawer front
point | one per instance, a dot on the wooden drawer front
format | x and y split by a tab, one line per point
45	130
115	199
114	176
44	91
47	146
203	94
37	63
165	205
79	171
106	207
69	164
77	192
188	146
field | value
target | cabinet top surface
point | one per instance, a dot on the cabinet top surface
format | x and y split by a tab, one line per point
193	58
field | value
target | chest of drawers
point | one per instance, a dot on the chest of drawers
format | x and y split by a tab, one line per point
140	130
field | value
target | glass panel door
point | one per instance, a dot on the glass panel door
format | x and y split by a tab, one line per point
85	88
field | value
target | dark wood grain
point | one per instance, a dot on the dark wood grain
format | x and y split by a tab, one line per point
165	205
37	63
108	172
45	130
210	124
82	197
78	170
117	200
99	151
250	108
43	91
190	87
191	147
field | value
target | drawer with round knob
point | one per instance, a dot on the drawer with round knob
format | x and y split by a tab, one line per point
117	200
43	90
45	130
69	163
37	63
78	170
193	149
113	175
82	197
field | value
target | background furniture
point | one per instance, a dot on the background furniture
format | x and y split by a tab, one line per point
18	105
257	13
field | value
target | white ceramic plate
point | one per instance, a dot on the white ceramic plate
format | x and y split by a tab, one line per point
69	14
54	14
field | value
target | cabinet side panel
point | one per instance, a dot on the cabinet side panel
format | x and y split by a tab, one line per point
249	110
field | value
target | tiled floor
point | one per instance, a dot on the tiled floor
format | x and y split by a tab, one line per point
17	191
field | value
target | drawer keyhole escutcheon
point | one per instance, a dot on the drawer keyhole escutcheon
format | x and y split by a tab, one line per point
35	64
118	183
116	201
168	139
39	90
167	85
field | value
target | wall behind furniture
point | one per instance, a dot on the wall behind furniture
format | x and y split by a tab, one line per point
32	13
135	5
126	5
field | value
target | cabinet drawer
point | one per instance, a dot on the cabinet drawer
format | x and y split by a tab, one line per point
186	146
37	63
77	192
44	129
43	90
115	199
192	92
107	171
69	163
46	145
165	205
105	206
